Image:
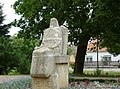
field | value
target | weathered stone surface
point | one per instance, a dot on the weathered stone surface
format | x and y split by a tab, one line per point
46	83
53	40
62	69
65	39
49	68
61	59
42	66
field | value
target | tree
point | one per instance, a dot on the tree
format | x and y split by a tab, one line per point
36	15
3	27
23	49
108	14
82	17
8	58
5	46
15	53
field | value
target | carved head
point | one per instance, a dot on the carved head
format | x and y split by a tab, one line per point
54	22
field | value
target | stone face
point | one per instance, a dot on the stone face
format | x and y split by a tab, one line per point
49	68
54	23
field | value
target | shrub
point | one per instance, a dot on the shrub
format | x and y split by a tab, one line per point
13	71
97	72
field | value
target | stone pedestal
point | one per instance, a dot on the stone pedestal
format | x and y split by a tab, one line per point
62	70
57	80
45	83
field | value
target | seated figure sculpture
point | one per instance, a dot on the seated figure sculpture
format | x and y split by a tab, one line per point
52	40
43	56
48	58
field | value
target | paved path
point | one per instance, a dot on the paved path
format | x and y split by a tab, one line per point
6	78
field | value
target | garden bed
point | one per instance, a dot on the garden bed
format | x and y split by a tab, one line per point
24	82
15	82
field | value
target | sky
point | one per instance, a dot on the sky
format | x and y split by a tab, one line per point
10	14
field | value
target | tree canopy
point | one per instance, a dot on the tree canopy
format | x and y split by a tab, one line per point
15	53
22	50
85	18
35	16
108	14
5	46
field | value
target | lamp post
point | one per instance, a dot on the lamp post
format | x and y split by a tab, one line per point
97	55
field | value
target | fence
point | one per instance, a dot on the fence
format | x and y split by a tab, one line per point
110	64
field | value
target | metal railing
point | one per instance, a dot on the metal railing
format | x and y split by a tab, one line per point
113	64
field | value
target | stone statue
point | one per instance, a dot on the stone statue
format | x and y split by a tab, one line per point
53	38
47	58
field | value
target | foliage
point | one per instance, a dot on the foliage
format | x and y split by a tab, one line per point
101	73
8	58
86	83
69	51
85	18
25	83
72	65
13	72
3	27
35	16
24	48
97	72
18	83
16	53
108	13
6	55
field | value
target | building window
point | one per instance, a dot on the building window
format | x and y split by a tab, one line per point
89	59
106	59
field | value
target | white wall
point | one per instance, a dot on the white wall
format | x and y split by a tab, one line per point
100	54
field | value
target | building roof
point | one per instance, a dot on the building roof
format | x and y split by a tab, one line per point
93	48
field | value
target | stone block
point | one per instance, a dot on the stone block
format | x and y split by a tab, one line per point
42	65
49	68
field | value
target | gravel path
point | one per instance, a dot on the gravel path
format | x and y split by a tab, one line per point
6	78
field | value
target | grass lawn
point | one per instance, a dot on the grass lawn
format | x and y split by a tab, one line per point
102	73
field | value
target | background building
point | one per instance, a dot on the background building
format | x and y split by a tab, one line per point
105	58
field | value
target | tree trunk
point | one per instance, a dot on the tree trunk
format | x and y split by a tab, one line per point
80	58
